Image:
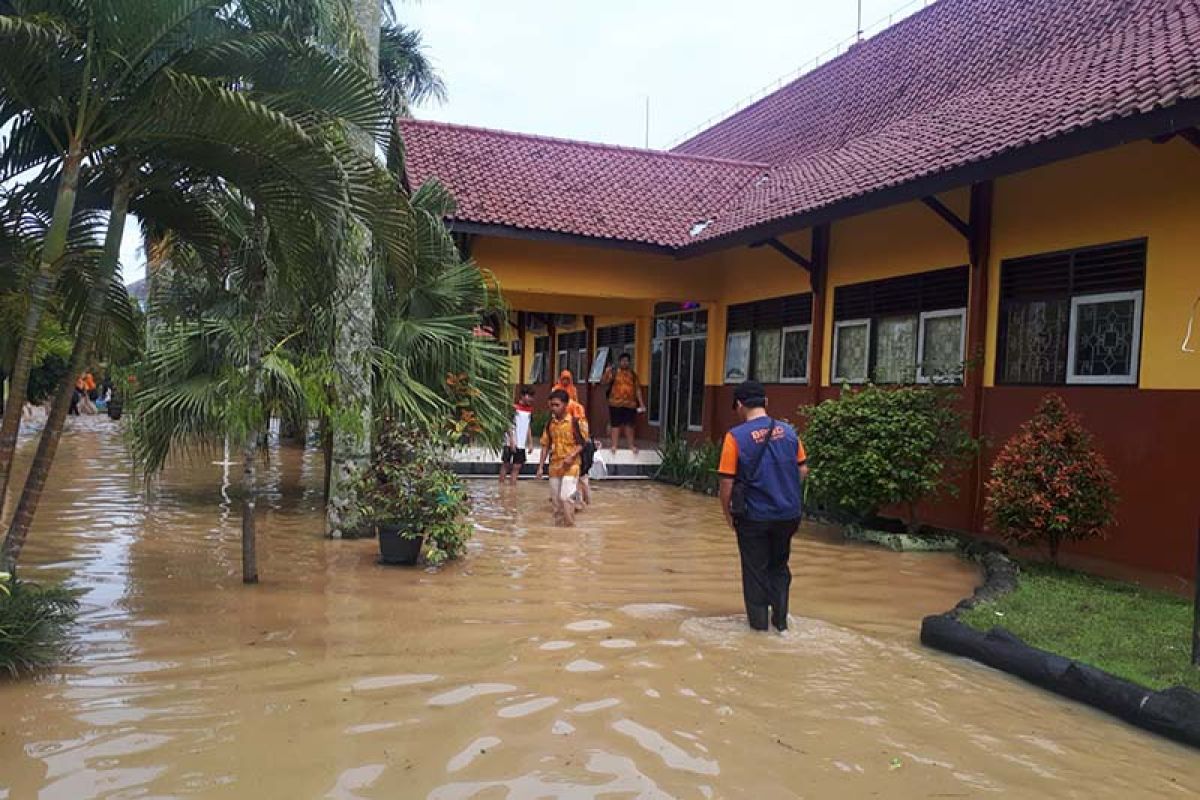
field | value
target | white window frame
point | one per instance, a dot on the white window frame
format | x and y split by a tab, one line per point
1130	379
537	368
599	363
782	349
837	329
962	344
749	356
688	416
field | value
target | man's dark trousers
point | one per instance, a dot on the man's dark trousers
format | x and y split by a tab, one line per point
765	547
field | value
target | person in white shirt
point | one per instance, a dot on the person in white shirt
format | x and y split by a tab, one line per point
518	439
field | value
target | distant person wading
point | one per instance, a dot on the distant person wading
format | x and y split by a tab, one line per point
762	465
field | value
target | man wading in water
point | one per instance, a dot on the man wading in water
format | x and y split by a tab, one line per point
762	464
563	442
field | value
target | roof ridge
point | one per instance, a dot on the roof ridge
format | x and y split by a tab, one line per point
816	70
537	137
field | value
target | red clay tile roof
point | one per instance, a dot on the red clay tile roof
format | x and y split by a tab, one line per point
602	191
958	83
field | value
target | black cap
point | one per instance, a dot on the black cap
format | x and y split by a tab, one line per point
749	392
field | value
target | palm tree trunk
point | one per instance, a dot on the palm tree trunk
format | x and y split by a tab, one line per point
255	290
249	502
39	470
39	294
355	323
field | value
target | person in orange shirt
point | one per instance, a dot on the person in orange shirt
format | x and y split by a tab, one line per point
562	443
624	401
575	409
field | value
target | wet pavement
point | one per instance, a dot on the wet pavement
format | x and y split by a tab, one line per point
601	662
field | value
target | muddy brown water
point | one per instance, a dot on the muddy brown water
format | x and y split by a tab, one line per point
602	662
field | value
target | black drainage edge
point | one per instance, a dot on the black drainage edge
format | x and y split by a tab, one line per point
1173	713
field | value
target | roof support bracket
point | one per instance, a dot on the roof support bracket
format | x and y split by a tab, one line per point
955	221
805	263
1192	136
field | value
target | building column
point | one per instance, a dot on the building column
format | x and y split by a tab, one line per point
521	373
980	223
819	278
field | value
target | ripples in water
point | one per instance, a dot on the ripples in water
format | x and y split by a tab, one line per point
609	660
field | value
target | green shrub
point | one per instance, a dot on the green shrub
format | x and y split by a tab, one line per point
45	377
1049	485
537	423
690	466
409	484
876	447
34	624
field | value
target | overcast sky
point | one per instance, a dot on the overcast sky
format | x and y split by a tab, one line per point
583	68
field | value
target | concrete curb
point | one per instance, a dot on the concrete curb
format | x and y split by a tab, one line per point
1173	713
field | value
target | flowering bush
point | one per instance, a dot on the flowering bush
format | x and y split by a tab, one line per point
463	395
408	484
1049	485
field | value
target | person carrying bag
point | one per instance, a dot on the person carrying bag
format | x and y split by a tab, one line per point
761	468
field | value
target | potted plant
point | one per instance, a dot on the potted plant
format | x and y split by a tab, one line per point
412	500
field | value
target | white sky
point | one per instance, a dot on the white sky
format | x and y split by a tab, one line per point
583	68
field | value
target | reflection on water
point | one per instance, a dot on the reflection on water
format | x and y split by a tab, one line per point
605	661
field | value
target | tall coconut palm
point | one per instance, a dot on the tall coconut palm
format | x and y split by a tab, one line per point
406	74
350	445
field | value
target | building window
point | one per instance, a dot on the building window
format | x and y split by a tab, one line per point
737	357
541	352
941	342
572	353
1072	317
611	342
901	330
896	349
793	356
766	355
768	340
1105	338
851	351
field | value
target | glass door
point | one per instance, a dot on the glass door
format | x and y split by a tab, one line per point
677	372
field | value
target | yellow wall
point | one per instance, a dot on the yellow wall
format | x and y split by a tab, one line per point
899	240
1142	189
595	272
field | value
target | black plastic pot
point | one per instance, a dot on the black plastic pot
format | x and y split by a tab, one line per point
397	548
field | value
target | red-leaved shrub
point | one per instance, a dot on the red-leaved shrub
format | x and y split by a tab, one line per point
1049	485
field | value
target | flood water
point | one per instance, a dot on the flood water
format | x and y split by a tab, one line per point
603	662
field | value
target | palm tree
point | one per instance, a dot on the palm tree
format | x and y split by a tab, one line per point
254	109
406	74
350	434
428	328
71	83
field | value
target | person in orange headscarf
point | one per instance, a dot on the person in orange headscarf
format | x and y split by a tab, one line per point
567	383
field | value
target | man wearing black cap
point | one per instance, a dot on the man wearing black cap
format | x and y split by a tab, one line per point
762	464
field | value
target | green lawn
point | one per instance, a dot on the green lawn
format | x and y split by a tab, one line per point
1137	634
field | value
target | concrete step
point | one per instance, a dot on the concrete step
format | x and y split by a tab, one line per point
481	461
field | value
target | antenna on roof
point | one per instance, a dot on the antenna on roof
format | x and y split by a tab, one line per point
647	122
858	36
